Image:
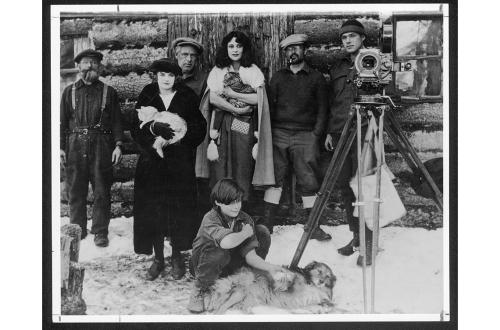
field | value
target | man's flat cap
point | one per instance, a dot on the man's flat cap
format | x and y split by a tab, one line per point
294	39
88	53
185	41
165	65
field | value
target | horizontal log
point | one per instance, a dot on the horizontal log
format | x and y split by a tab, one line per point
322	58
423	116
120	192
117	210
327	31
125	171
398	165
75	27
114	16
128	87
121	62
422	141
120	34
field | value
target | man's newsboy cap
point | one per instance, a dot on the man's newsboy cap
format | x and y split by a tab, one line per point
185	41
88	53
294	39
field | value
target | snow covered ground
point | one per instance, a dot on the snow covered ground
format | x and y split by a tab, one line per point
409	272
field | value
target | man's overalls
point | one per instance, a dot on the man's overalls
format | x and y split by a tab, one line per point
89	150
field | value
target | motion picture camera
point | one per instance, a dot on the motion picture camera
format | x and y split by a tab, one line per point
373	74
373	69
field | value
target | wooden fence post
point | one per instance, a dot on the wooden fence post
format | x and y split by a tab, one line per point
72	273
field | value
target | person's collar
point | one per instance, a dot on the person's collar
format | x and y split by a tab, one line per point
193	75
226	219
306	68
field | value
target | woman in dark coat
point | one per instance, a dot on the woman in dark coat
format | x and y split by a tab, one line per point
164	188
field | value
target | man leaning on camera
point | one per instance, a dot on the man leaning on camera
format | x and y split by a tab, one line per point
342	93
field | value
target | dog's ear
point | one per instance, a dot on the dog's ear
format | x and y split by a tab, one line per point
310	266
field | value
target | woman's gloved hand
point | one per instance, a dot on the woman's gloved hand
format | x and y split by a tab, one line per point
162	129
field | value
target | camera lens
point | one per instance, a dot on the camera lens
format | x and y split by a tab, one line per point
368	62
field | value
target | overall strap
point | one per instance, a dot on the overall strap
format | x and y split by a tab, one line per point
104	96
103	103
73	97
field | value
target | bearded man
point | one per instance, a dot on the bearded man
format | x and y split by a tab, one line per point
91	139
298	104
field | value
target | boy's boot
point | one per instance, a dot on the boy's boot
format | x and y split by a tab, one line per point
196	299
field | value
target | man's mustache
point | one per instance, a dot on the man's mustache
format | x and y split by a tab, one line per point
90	75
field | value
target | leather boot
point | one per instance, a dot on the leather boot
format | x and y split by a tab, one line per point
196	299
178	266
318	233
155	270
351	247
368	240
269	214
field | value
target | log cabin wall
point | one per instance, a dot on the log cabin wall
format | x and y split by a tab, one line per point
131	42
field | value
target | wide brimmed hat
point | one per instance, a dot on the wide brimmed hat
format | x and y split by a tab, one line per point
88	53
165	65
185	41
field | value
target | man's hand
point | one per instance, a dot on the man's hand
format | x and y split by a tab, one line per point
247	230
329	142
63	158
116	157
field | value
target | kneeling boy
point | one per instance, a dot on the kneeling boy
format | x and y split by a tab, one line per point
227	239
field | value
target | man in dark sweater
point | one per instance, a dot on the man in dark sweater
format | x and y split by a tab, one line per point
298	104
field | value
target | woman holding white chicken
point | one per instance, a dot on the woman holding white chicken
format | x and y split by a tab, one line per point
168	128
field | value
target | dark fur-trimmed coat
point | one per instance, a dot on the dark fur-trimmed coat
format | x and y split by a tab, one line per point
165	188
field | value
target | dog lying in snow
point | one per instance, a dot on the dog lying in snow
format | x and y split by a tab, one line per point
292	289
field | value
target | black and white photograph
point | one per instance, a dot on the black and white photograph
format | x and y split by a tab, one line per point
250	163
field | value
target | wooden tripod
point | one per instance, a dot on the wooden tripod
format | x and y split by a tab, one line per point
350	130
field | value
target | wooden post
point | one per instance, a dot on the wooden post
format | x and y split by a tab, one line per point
75	233
72	273
65	247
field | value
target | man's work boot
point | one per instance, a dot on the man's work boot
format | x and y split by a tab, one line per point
101	239
196	300
368	240
320	235
155	270
178	266
351	247
269	214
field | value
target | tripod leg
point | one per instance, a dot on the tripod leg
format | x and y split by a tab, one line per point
362	243
376	204
438	197
324	193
